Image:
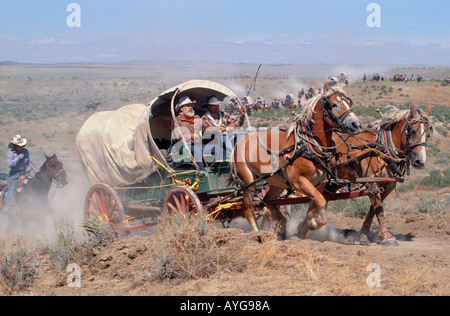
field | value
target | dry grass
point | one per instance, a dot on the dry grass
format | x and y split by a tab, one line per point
18	268
184	250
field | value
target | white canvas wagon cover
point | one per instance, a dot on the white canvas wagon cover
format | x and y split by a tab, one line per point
116	146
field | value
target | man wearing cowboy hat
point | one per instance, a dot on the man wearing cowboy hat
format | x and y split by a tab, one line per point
216	122
20	163
188	125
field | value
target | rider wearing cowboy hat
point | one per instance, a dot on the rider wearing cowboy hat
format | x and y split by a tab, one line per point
19	162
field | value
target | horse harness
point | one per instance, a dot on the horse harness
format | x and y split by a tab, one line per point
398	161
305	146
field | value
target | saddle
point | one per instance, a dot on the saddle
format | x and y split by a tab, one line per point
23	181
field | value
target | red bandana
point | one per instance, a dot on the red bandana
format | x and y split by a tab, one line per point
189	119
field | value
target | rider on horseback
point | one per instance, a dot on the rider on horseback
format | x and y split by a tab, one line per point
20	163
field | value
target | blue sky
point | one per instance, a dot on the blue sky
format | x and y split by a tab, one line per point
268	31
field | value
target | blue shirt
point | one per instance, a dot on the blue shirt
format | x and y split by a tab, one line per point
18	165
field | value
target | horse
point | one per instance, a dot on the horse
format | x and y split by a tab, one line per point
310	94
275	104
398	77
386	149
258	106
92	106
32	191
300	165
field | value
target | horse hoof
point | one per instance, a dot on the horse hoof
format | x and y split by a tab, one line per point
313	225
364	239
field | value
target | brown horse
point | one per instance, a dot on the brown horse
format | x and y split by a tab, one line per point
387	149
300	165
92	106
258	107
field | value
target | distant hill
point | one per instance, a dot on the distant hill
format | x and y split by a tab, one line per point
9	63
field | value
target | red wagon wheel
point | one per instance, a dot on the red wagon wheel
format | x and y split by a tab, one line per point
181	200
103	203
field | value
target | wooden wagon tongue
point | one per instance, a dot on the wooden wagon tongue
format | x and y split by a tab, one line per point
366	180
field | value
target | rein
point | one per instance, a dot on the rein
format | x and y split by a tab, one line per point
384	148
56	174
305	145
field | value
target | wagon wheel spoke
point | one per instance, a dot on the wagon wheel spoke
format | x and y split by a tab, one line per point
174	209
92	213
177	202
98	202
184	206
94	204
103	200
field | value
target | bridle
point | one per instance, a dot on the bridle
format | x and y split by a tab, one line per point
328	111
55	174
402	158
408	130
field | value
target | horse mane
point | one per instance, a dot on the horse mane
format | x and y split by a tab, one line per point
306	117
395	115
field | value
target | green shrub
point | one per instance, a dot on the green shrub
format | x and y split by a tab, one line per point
67	249
430	205
441	113
437	179
356	207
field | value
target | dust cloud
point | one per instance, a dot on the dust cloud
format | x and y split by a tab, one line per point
67	206
328	232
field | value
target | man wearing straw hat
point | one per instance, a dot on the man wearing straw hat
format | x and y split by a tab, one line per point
217	123
188	125
20	163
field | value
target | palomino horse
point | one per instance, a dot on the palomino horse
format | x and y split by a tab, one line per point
34	193
387	149
300	165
